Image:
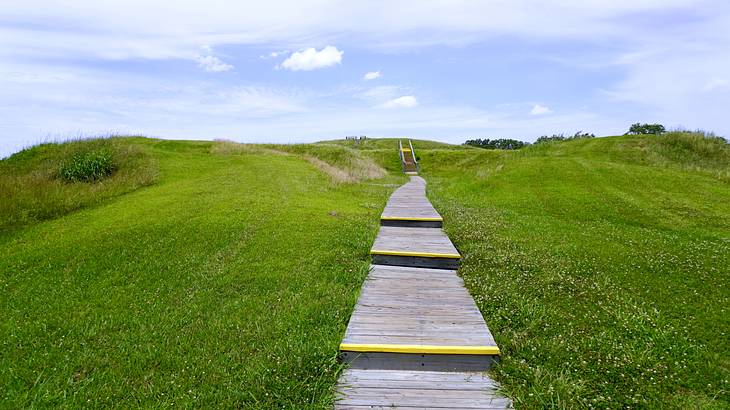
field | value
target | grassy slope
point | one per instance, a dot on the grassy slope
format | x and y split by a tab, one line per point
31	190
226	284
602	267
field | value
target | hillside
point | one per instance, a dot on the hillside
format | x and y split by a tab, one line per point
223	275
227	282
602	266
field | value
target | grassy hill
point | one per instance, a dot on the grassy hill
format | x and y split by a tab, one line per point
222	275
601	265
226	283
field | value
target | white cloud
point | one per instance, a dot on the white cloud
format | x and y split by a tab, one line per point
311	59
538	109
117	29
381	93
272	54
406	101
213	64
371	75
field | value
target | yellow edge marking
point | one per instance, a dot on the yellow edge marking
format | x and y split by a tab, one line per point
409	218
419	254
433	349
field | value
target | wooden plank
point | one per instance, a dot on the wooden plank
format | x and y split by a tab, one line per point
413	242
396	308
409	201
417	389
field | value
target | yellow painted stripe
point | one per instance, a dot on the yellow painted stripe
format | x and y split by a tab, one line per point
409	218
421	349
406	150
418	254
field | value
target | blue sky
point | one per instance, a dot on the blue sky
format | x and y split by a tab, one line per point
285	71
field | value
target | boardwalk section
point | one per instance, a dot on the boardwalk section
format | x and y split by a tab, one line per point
387	389
409	207
417	318
416	339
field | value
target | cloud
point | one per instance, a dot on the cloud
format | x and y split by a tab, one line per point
371	75
116	29
538	109
406	101
311	59
381	93
213	64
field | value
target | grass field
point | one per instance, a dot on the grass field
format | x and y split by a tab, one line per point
227	283
602	266
214	274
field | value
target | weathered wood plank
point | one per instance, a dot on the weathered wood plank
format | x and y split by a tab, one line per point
392	240
418	389
436	312
409	201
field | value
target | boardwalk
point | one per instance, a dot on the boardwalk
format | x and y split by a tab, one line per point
416	338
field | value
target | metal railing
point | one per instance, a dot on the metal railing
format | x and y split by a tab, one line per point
402	158
413	154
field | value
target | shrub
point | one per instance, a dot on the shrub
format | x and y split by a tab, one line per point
500	143
639	128
88	166
561	137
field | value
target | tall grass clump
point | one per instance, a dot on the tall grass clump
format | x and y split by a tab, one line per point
49	180
89	166
698	150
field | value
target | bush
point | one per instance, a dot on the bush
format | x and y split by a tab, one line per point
500	143
646	129
89	166
561	137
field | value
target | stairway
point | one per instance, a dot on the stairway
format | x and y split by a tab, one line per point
408	158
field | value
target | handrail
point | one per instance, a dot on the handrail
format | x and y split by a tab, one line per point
402	158
413	154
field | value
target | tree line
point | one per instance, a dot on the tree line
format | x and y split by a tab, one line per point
513	144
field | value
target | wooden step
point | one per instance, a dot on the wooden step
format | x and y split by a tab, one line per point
408	207
388	389
416	247
417	318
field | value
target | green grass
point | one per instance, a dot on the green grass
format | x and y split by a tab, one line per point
33	187
204	274
602	266
89	166
227	283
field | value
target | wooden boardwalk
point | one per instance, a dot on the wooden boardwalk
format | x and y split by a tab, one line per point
416	339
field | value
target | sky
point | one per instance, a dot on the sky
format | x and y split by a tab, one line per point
286	71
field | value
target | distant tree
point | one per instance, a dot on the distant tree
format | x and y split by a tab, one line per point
500	143
552	138
561	137
639	128
581	134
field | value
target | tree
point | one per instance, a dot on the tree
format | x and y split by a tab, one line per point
500	143
639	128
